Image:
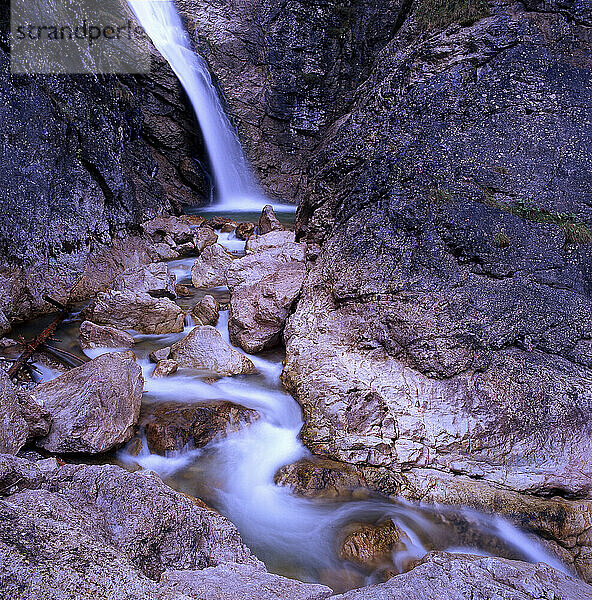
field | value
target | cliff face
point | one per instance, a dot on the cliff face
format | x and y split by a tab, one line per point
288	70
85	160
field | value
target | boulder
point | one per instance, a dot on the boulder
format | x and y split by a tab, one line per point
161	354
77	527
154	279
168	229
203	237
263	287
93	407
206	311
141	312
171	426
209	270
241	582
371	546
461	576
164	251
103	336
268	221
192	220
219	221
244	231
228	227
165	368
204	349
274	239
22	417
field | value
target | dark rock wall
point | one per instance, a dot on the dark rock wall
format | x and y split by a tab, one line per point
84	160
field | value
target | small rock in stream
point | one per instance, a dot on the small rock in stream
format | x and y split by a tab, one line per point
206	311
268	221
244	231
161	354
203	237
103	336
165	368
209	270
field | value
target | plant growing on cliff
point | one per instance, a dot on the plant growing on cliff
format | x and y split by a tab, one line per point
437	14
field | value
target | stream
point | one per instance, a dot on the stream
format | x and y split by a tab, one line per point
295	536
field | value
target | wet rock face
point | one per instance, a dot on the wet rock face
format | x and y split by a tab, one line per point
464	576
172	426
93	407
446	321
78	172
288	71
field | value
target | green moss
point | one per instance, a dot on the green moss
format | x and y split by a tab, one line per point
574	229
437	14
501	240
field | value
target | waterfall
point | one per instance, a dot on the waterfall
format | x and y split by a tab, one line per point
235	186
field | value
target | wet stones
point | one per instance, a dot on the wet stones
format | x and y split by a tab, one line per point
93	407
268	221
206	311
172	426
203	237
103	336
165	368
244	231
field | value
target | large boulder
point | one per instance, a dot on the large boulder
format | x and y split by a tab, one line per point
171	426
263	287
170	230
79	531
22	416
209	270
145	314
460	577
103	336
154	279
273	239
203	348
93	407
268	221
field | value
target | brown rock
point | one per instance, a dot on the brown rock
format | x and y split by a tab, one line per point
171	426
203	237
206	311
141	312
228	227
244	230
268	221
204	349
103	336
161	354
218	222
192	220
371	546
165	368
183	291
94	407
209	270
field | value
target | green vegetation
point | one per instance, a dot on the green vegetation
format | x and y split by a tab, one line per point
574	229
501	240
437	14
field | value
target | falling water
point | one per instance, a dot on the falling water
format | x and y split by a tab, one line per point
235	186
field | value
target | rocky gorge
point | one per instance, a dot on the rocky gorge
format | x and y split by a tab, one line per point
432	299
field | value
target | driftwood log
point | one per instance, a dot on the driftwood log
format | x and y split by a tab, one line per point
44	336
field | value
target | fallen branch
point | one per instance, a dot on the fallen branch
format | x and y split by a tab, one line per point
31	347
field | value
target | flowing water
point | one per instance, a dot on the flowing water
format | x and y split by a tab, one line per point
294	536
235	186
235	472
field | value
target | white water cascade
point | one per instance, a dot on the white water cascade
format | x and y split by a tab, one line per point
296	536
235	187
